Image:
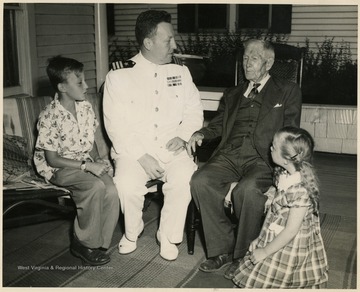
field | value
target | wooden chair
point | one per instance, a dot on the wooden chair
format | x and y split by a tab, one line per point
154	193
288	65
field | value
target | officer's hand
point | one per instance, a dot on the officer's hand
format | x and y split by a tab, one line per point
176	145
151	166
196	139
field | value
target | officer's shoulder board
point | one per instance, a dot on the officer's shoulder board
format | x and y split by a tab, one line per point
121	65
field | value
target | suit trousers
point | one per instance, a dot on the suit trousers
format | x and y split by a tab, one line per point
97	205
130	179
209	186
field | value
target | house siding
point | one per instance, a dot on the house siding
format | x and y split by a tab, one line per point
334	128
67	30
125	16
312	22
316	22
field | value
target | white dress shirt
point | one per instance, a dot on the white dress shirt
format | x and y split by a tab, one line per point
251	85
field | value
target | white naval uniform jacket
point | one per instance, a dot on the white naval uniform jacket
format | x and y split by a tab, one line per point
147	105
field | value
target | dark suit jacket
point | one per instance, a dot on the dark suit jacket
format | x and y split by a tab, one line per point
281	107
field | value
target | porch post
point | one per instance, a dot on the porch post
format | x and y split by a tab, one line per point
101	44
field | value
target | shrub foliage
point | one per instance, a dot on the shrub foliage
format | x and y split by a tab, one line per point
329	73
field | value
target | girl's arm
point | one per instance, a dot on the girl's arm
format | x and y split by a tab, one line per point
296	216
270	194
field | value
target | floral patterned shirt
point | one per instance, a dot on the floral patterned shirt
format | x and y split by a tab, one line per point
59	131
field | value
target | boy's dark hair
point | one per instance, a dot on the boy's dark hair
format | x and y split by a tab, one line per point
147	22
59	68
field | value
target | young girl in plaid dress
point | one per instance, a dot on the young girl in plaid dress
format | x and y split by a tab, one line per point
289	252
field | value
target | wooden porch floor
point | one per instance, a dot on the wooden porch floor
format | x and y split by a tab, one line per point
337	174
338	183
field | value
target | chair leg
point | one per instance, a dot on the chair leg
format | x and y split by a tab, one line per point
192	222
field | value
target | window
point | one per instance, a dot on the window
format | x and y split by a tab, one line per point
110	18
194	18
202	17
274	18
11	72
16	53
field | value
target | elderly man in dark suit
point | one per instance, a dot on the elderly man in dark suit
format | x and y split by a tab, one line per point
247	118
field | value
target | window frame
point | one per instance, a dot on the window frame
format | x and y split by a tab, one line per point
23	52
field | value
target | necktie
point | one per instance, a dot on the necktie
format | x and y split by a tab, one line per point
254	91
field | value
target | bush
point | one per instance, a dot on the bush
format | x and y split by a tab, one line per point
219	51
117	52
215	45
330	75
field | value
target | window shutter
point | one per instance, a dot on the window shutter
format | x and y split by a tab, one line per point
110	19
186	18
281	18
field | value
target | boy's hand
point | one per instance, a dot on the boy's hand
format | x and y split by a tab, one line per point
110	168
97	168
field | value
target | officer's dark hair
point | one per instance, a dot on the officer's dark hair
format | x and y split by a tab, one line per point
59	68
146	23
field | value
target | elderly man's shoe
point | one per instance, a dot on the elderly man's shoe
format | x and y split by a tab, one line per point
89	256
230	271
216	263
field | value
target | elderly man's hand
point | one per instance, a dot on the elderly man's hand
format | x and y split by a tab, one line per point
196	139
151	166
176	145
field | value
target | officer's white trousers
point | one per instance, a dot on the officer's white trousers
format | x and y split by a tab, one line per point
130	179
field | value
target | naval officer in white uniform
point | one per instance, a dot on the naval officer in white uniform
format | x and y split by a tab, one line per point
151	107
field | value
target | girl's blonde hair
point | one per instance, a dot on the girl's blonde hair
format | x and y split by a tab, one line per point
297	146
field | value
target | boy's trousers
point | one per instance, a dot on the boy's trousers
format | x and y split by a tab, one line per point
97	205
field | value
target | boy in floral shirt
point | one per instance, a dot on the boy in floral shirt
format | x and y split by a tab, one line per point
66	155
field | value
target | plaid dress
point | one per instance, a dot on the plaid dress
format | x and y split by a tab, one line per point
302	263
